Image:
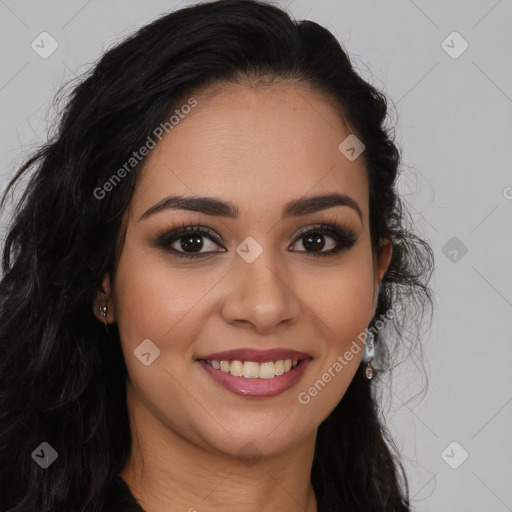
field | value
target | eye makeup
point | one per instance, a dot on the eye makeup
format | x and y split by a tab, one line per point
193	233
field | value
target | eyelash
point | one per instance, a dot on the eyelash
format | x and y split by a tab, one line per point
344	238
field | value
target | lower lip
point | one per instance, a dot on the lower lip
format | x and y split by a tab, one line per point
262	388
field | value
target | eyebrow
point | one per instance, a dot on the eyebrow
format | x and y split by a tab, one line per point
216	207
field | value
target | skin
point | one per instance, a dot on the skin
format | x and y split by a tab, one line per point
259	148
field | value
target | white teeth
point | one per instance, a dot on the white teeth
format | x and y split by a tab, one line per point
279	367
253	370
267	370
236	368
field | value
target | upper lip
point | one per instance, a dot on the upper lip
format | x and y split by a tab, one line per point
258	356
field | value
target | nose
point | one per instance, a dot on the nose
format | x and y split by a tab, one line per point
261	296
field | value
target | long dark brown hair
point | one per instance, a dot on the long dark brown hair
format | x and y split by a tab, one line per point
62	374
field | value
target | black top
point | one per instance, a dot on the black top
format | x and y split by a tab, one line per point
121	499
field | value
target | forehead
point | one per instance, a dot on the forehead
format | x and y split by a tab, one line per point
257	147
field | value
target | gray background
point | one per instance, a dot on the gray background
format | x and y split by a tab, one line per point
454	122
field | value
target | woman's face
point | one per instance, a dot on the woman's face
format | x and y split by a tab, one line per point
254	282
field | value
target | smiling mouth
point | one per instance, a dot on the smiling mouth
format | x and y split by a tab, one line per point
254	370
256	379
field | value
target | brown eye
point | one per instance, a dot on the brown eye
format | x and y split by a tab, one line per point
314	240
188	242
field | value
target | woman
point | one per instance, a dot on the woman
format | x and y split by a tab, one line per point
201	278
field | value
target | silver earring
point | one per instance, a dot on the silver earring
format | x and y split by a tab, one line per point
103	311
369	352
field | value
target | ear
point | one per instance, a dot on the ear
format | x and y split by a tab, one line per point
104	298
382	264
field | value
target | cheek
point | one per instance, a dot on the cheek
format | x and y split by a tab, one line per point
348	304
155	301
341	305
148	306
342	298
